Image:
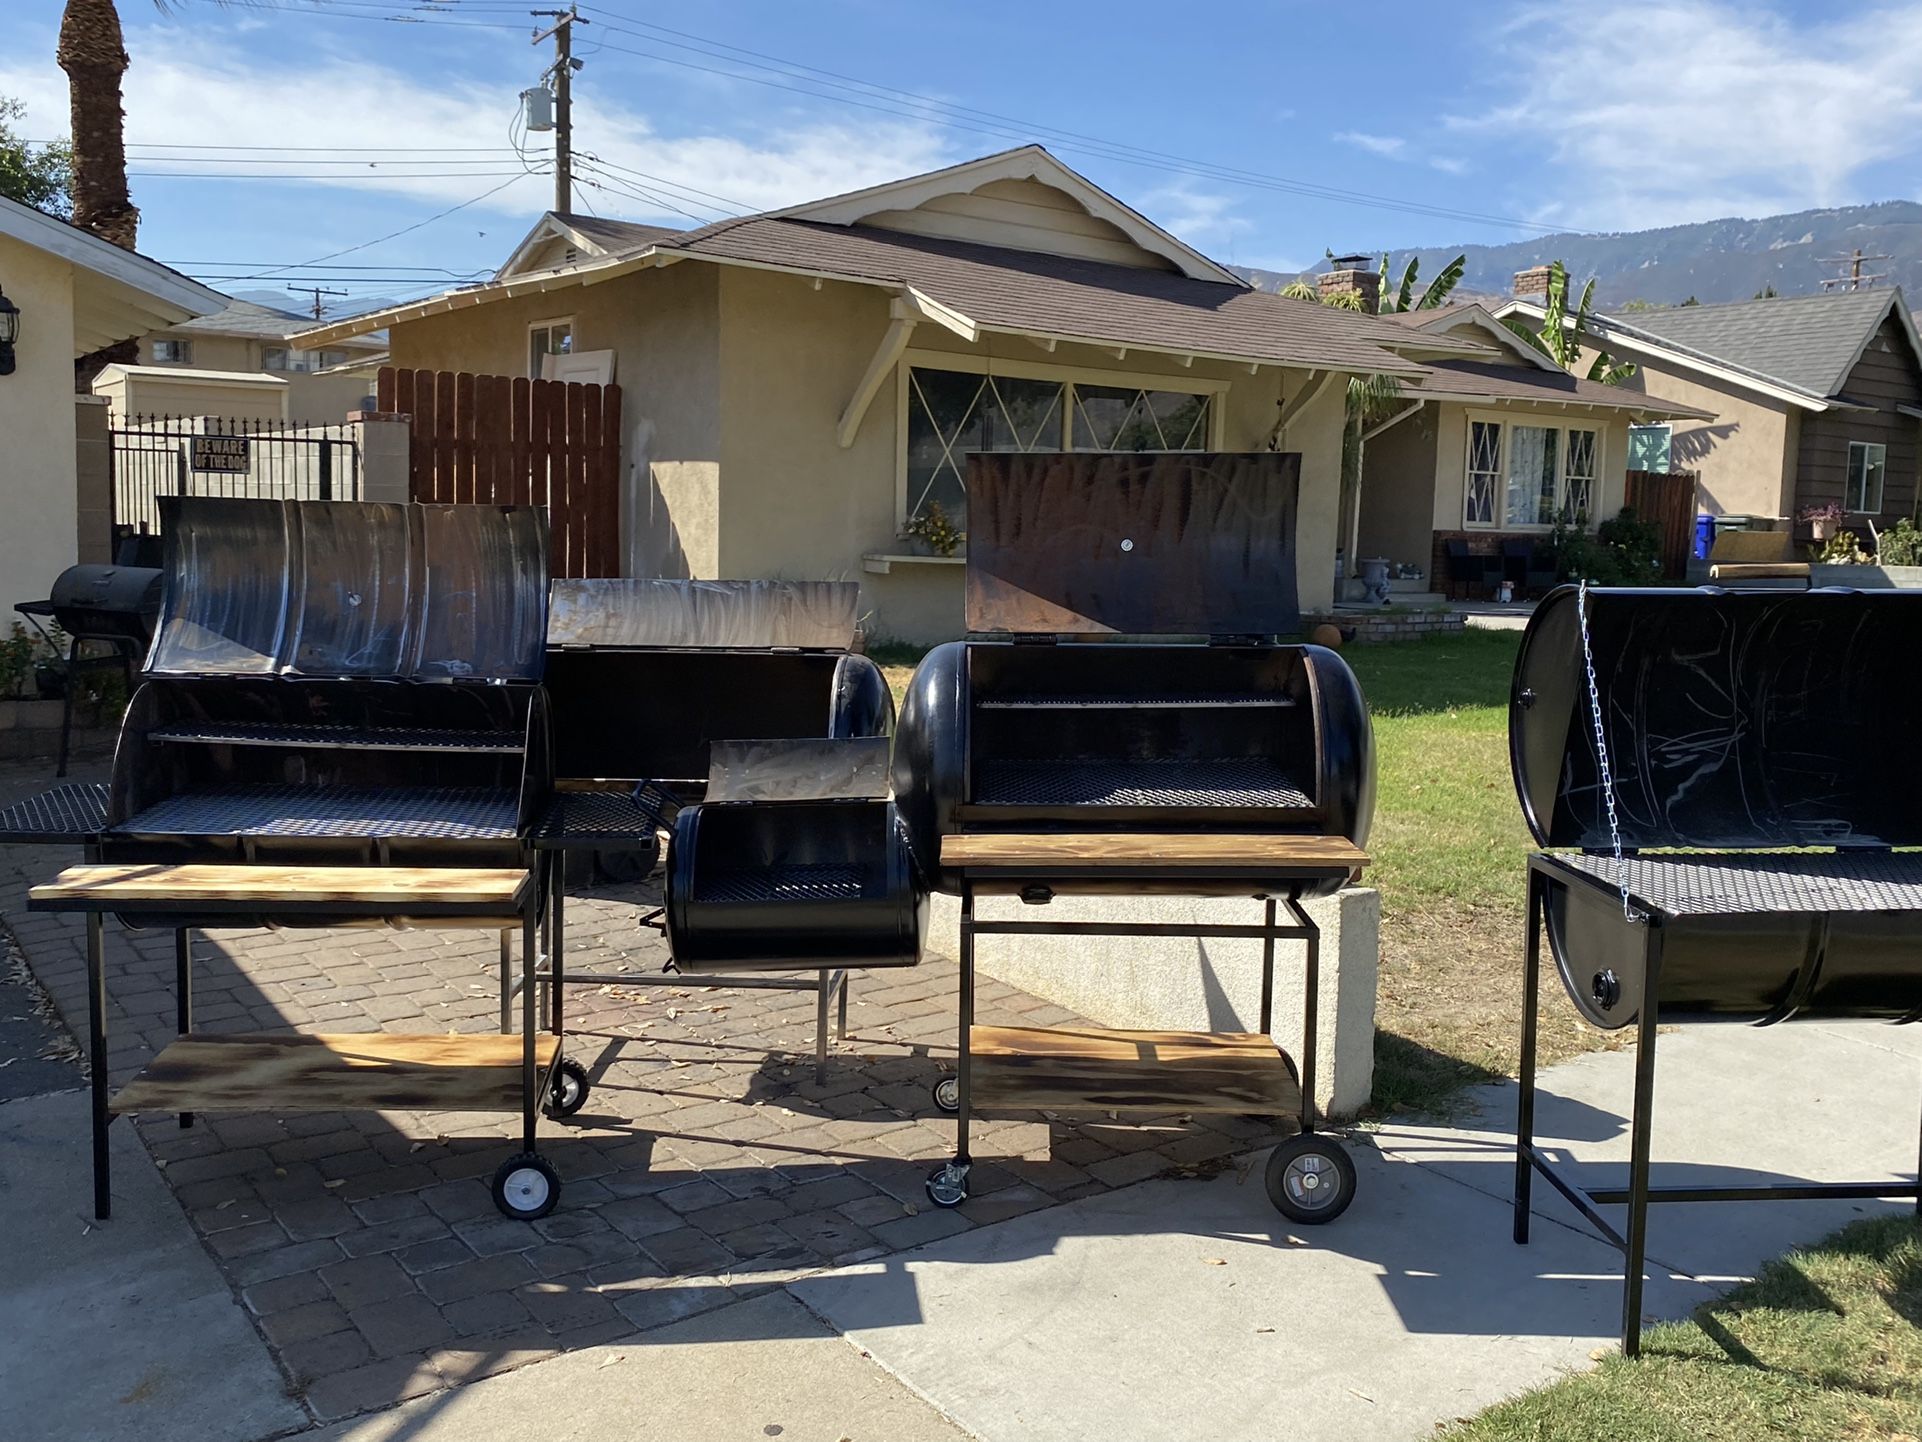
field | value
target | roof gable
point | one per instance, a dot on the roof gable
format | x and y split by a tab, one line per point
1022	199
1471	321
1809	342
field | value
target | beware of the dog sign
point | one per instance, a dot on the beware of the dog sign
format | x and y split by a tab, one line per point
224	454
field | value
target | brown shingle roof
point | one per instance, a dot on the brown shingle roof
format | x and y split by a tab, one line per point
1528	383
1029	292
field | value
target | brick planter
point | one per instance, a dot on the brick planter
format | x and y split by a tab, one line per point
1373	628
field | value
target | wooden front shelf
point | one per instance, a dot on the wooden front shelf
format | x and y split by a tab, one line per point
302	1072
1098	1069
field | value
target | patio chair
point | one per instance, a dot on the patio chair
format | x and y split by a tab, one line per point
1530	565
1467	569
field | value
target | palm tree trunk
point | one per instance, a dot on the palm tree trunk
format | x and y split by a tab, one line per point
95	57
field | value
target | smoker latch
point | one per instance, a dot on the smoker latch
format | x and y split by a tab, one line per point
1037	895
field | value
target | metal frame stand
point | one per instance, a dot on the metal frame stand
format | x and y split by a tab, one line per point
1638	1194
829	985
1302	929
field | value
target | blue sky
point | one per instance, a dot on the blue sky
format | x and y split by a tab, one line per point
1271	122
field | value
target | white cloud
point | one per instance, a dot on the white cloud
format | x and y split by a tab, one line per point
1449	164
190	91
1691	109
1387	146
1200	217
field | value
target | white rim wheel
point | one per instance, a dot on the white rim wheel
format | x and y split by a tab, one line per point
526	1189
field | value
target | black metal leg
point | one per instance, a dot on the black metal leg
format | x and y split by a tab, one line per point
1640	1124
1525	1104
823	986
97	1063
963	1065
66	704
1310	1013
184	992
507	983
557	943
1268	970
841	1025
530	1070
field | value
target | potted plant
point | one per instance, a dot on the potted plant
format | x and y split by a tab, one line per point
933	529
1821	519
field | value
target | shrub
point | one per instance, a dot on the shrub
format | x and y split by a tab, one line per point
16	662
1624	551
1901	545
1841	549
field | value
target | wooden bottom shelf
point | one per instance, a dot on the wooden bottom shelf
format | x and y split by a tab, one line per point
303	1072
1099	1069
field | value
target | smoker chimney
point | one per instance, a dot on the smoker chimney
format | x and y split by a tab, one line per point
1352	275
1532	284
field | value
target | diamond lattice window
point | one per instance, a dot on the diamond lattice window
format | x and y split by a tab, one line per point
1120	418
951	413
1484	472
1578	496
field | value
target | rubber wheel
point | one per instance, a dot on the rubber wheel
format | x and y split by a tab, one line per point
946	1190
526	1187
567	1088
1310	1179
947	1095
623	868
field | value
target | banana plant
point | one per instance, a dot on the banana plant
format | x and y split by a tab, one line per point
1561	336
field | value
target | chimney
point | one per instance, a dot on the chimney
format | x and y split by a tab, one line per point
1532	284
1352	275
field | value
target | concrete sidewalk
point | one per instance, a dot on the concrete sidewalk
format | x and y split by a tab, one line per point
1167	1310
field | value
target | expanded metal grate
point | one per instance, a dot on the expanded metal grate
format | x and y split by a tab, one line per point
1200	785
74	813
360	738
596	817
437	812
1135	701
1742	884
819	882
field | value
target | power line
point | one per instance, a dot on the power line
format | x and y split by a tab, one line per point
737	206
332	179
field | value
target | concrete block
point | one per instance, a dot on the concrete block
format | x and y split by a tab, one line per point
1203	985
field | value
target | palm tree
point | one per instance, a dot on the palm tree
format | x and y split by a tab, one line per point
1561	336
94	56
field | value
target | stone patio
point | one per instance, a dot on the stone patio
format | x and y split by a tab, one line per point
707	1165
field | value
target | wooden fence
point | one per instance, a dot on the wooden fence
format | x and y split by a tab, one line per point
1668	499
508	441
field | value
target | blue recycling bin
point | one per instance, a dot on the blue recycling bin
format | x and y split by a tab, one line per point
1704	536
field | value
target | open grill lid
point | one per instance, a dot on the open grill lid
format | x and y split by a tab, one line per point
351	589
1734	719
704	615
1154	543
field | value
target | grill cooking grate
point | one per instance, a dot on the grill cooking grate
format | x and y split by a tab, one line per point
76	812
1241	781
824	881
1744	884
585	816
360	738
438	812
1135	701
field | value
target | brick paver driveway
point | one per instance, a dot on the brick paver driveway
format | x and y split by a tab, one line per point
707	1164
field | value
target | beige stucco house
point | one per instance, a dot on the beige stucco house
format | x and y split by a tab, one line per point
241	362
75	294
1813	400
799	386
1493	449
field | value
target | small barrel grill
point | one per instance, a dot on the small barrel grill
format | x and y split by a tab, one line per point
1046	757
1736	747
99	606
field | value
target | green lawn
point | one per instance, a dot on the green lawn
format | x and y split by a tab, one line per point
1822	1345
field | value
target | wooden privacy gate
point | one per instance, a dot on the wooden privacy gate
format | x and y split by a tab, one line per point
508	441
1668	499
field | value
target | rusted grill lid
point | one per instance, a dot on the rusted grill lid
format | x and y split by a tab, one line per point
1734	719
704	615
351	588
1136	544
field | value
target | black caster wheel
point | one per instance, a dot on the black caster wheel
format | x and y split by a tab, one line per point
1310	1179
621	868
567	1088
947	1094
949	1186
526	1187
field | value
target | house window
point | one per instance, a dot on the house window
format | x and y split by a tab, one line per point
1527	477
1649	447
951	413
274	358
173	352
546	338
1867	463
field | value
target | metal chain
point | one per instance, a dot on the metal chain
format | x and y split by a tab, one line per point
1601	753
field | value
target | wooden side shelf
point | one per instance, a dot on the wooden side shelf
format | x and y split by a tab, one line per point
1036	853
353	891
1097	1069
304	1072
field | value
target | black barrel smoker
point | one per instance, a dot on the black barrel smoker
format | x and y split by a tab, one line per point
1712	777
341	723
645	677
108	608
1045	758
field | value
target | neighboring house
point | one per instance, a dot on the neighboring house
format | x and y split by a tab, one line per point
1816	399
1482	451
74	294
241	362
799	386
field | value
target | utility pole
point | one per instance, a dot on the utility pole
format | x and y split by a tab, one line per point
317	292
562	33
1854	279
